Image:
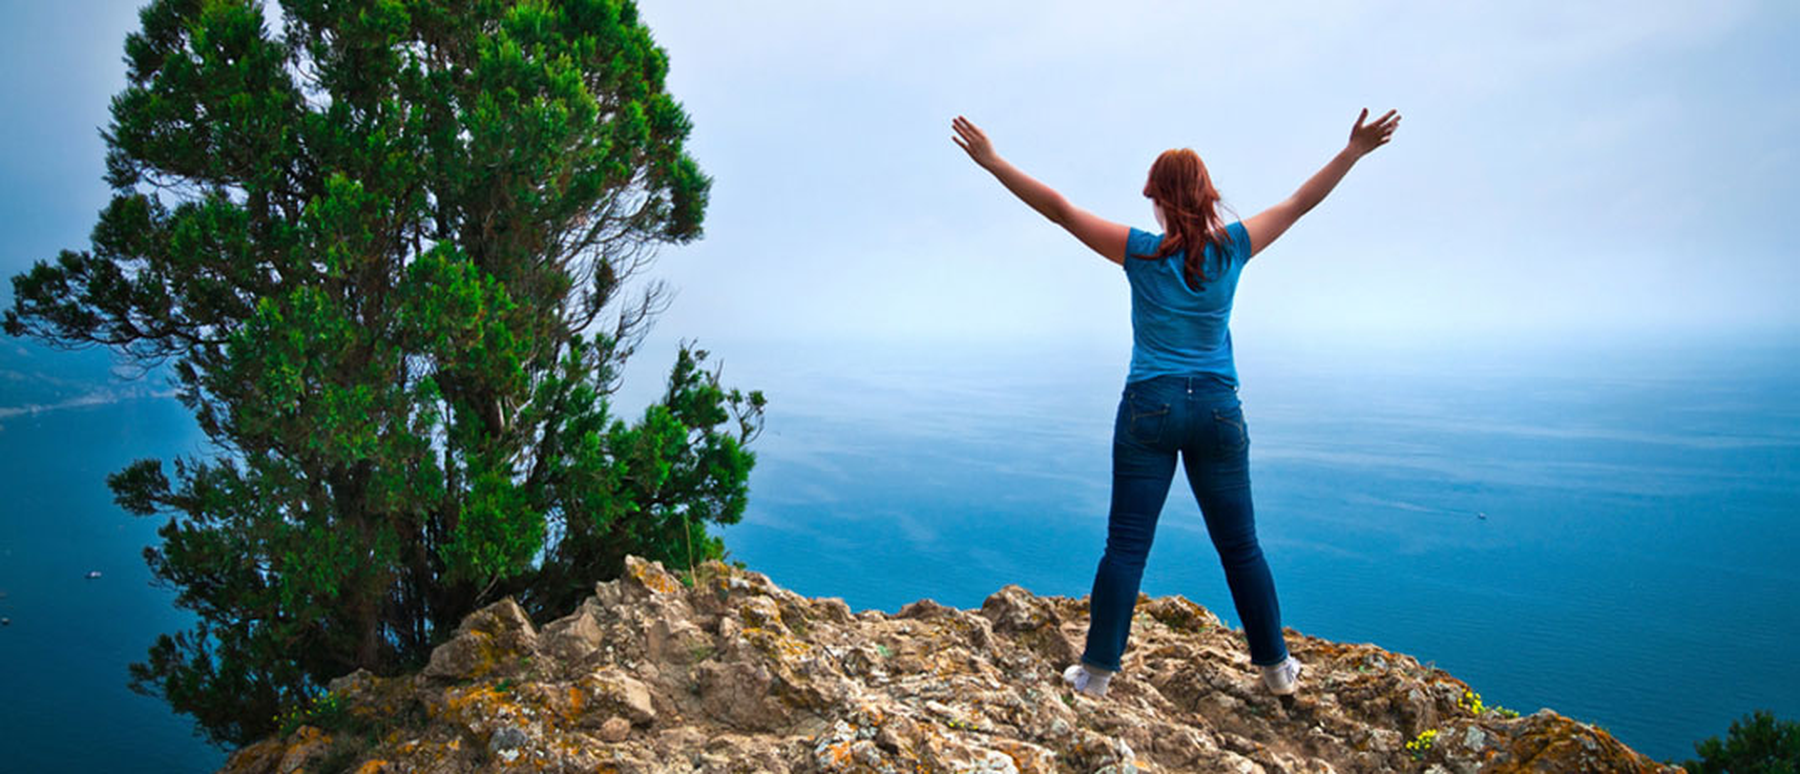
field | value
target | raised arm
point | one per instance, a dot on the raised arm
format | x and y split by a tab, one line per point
1266	226
1099	234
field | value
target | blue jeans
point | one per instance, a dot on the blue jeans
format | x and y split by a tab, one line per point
1200	418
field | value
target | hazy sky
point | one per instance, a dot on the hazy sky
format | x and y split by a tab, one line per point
1564	170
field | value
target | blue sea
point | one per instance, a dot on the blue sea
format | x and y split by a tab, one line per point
1603	529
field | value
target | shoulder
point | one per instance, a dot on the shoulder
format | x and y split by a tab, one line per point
1240	240
1140	243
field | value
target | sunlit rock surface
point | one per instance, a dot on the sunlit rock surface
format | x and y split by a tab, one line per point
739	675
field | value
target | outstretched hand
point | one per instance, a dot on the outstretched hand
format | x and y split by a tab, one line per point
1368	137
973	141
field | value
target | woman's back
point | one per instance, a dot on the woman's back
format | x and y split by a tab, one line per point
1177	329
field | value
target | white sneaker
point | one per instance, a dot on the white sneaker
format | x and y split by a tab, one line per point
1283	678
1091	683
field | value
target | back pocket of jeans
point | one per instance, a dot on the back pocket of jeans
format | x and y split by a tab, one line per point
1147	417
1229	424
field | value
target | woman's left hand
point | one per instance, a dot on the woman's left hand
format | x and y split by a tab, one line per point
973	141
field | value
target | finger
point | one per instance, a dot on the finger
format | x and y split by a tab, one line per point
1359	118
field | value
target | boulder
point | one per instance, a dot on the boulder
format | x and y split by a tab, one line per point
574	637
486	640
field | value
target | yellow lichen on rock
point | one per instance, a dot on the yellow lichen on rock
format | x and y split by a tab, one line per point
372	766
652	576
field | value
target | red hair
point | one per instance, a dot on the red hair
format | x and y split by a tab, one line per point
1180	185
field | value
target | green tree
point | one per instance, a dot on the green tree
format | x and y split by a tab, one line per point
1758	744
391	287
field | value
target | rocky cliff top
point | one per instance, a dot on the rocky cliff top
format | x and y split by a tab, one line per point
737	674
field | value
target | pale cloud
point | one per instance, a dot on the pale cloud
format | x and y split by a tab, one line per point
96	398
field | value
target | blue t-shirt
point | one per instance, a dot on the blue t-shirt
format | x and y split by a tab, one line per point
1176	330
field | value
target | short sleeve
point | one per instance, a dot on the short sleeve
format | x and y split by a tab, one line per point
1140	242
1240	239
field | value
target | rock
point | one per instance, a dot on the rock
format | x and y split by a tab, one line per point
615	729
1180	614
614	690
358	680
1012	609
1032	623
484	641
644	579
924	608
832	609
737	695
761	612
257	758
575	636
737	674
507	738
609	594
679	641
305	744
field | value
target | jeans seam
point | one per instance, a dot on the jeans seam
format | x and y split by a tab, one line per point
1131	426
1243	435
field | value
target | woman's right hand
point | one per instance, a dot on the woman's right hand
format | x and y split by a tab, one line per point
973	141
1267	226
1368	137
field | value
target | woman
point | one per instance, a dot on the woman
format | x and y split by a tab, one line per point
1180	397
